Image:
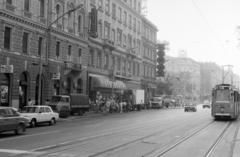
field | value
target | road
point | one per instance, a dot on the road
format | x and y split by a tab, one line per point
148	133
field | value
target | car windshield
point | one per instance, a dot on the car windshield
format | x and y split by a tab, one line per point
30	110
157	99
56	99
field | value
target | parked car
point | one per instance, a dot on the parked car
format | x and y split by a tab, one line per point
188	108
11	120
40	114
206	106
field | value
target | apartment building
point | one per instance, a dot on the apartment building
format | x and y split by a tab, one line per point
41	56
116	52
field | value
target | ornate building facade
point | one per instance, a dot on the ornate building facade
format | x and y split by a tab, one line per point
50	47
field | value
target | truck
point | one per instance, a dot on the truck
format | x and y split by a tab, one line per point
156	102
70	104
138	102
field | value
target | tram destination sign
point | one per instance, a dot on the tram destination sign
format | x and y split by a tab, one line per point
6	68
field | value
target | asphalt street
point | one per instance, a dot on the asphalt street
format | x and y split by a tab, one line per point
146	133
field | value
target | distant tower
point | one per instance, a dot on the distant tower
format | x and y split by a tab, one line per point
144	8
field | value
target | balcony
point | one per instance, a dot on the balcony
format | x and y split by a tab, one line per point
132	52
108	44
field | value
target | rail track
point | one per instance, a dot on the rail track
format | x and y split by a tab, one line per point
209	152
69	145
118	146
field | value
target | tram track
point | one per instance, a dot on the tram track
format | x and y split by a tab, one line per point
168	148
115	147
217	141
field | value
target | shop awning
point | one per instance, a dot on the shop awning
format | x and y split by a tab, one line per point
103	82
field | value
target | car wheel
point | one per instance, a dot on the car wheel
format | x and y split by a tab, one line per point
53	121
20	129
33	123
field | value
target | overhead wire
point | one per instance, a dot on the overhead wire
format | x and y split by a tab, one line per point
205	20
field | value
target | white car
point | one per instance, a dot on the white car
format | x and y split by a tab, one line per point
40	114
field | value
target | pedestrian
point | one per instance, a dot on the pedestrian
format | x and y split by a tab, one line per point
30	103
47	102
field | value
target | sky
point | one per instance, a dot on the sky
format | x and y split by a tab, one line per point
205	29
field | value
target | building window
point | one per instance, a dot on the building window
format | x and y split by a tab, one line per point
119	14
106	61
134	25
57	49
25	42
129	41
91	57
125	18
107	8
113	63
7	38
99	60
130	2
113	35
135	5
114	11
139	7
9	1
138	29
124	40
40	39
119	64
100	30
100	4
79	56
130	21
42	8
119	37
138	46
79	23
107	31
69	52
26	5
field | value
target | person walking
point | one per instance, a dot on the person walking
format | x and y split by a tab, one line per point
30	103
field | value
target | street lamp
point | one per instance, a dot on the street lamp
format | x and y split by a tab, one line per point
48	45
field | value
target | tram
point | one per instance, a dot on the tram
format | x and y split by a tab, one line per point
225	102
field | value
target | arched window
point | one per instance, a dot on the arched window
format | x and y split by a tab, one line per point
70	16
58	13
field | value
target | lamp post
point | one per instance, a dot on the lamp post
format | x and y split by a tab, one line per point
48	46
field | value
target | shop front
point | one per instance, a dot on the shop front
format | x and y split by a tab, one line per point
103	85
5	84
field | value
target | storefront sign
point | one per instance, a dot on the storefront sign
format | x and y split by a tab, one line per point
6	68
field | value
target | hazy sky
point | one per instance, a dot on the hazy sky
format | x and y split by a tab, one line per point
206	29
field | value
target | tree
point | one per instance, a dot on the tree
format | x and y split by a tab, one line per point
161	48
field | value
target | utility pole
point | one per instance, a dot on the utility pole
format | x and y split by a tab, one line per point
229	72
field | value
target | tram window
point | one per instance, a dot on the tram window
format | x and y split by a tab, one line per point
223	95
